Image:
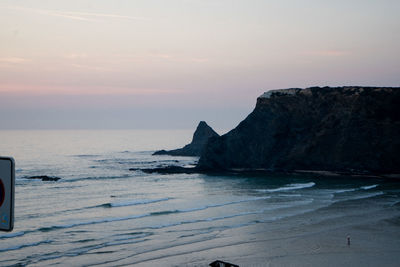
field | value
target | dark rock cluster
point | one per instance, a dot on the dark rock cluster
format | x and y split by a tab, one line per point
44	178
200	137
355	129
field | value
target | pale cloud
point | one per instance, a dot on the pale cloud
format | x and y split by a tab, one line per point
162	56
76	55
44	89
63	15
199	60
92	68
54	13
103	15
82	16
156	56
13	60
179	58
328	53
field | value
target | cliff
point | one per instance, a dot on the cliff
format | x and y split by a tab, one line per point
200	137
337	129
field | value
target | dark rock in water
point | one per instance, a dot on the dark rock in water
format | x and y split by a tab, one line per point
191	170
346	129
162	152
171	170
219	263
200	137
44	178
257	172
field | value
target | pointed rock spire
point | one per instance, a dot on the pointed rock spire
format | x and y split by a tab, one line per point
200	138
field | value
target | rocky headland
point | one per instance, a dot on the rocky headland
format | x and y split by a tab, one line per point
200	137
338	129
322	131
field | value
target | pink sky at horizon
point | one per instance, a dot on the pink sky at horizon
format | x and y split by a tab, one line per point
190	54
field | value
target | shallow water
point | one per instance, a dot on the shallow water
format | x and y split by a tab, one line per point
102	213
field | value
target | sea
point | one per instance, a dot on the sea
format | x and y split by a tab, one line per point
100	213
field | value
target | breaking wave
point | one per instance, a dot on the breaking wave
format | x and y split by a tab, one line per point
134	202
132	217
34	244
289	187
367	187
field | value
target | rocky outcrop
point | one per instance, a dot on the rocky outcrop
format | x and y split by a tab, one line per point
337	129
200	138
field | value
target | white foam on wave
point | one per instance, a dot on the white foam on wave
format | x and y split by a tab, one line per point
34	244
225	204
132	217
339	191
115	219
137	202
149	201
164	225
367	187
281	217
288	187
95	178
395	203
123	242
290	195
172	224
211	219
361	196
98	221
130	237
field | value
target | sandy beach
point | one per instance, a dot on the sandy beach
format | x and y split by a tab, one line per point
374	241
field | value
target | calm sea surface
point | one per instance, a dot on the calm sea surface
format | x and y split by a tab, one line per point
100	213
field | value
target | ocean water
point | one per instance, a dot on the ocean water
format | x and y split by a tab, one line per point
100	213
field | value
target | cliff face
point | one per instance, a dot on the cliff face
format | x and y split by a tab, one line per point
200	137
337	129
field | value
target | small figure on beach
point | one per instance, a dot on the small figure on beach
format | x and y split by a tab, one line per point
348	240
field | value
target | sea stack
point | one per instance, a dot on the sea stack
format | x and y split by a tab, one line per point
200	137
354	129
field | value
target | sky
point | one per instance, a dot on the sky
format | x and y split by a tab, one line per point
166	64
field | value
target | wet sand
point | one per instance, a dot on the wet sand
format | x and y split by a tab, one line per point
375	241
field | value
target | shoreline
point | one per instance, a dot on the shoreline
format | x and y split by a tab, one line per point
324	173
